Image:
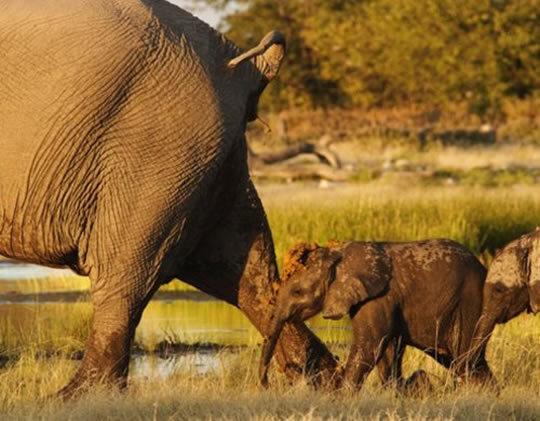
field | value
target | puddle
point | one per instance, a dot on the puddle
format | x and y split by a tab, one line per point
199	362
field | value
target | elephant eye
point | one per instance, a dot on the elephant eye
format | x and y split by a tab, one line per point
499	287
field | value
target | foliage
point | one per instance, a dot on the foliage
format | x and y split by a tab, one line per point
388	52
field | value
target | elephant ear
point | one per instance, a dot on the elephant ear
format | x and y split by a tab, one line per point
534	272
267	56
363	273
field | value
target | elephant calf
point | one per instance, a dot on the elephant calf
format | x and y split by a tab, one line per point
512	287
427	294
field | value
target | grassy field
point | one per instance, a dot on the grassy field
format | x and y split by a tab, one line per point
231	391
39	339
483	219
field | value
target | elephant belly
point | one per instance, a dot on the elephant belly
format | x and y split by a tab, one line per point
36	240
428	330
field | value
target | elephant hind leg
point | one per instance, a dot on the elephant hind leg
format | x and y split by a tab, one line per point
390	364
390	371
479	373
418	384
118	307
235	261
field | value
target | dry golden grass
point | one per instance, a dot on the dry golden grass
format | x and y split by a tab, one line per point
231	390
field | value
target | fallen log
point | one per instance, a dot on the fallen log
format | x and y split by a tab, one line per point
274	164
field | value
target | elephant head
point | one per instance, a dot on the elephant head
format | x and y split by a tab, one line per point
331	279
513	280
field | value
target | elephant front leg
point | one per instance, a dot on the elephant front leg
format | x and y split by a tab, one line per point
362	359
472	364
373	328
117	312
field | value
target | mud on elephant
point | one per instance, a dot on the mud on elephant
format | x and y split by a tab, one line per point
426	294
124	158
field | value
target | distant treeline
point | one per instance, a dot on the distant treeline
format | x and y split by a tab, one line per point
382	53
518	122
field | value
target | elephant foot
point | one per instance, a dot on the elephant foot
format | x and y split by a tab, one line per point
74	389
301	354
417	385
84	381
484	379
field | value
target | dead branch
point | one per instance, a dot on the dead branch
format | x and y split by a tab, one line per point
273	164
320	149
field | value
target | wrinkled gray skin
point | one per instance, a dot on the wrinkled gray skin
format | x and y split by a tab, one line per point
512	287
123	156
426	294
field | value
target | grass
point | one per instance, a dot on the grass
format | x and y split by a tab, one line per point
45	284
43	329
40	339
231	392
482	219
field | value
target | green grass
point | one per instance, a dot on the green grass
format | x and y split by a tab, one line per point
482	219
487	177
46	284
43	329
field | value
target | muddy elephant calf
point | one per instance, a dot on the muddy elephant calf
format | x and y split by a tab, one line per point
512	287
426	294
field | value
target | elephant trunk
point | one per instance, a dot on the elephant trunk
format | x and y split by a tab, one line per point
475	359
276	326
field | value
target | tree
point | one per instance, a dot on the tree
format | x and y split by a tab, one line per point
390	52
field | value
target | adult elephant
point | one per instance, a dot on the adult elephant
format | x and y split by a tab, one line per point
123	156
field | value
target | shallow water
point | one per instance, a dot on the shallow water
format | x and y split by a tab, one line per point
19	271
200	362
54	304
217	322
187	320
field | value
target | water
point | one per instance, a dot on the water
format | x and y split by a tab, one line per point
178	321
200	362
19	271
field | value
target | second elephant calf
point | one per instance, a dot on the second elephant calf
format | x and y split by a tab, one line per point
426	294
